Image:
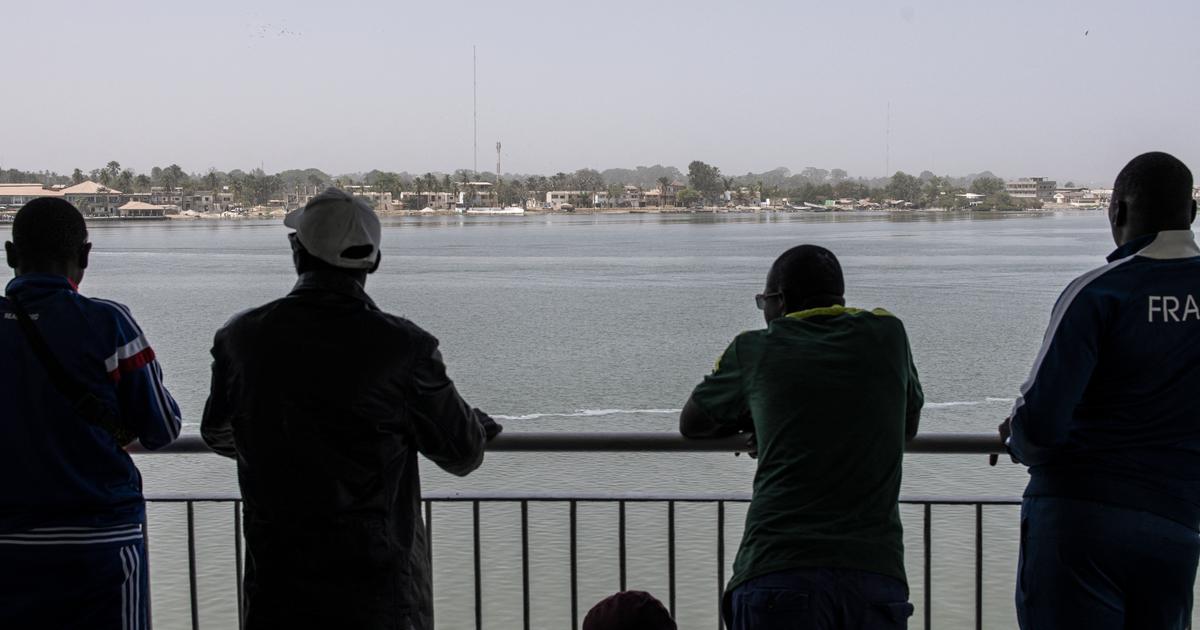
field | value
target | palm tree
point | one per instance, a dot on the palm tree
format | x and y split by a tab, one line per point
125	180
663	182
615	191
112	170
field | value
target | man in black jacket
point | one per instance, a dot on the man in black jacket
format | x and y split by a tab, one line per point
325	401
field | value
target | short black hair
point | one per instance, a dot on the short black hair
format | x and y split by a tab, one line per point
1155	181
48	230
306	261
807	271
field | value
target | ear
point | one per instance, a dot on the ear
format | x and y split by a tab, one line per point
1121	216
84	252
1193	219
378	259
10	251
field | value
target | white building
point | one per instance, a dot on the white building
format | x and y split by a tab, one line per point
557	198
1031	188
435	200
477	195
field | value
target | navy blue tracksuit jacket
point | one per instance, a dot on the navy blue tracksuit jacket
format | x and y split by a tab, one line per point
66	481
1111	410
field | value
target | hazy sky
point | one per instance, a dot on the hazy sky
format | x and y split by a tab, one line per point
1066	89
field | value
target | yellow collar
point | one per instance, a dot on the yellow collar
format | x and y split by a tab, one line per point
834	310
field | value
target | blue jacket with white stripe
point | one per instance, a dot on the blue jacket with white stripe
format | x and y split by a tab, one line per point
64	479
1111	410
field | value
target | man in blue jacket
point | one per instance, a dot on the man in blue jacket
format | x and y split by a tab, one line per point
1109	424
78	380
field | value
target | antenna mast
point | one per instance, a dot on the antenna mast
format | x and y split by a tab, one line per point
475	113
497	172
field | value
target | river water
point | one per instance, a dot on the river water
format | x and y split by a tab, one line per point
605	323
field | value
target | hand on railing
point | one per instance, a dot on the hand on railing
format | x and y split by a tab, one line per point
491	428
1005	429
751	446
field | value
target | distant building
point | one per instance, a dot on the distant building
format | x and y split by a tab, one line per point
17	195
161	196
1031	188
94	199
557	198
631	197
478	195
369	194
434	200
141	209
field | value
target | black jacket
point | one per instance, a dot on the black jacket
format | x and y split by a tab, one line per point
325	401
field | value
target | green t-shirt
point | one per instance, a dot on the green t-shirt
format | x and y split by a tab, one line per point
831	392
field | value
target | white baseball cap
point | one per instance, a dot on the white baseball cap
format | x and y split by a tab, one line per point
334	224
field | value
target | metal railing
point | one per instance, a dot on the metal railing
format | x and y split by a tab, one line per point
615	442
634	442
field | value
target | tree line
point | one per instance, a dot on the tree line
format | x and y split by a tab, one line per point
701	184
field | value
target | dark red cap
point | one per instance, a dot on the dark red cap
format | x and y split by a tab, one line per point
629	610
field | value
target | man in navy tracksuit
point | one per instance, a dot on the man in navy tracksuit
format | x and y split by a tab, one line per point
1109	424
72	551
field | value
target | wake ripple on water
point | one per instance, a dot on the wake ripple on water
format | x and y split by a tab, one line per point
967	403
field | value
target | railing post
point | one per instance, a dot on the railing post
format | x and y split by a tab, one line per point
574	568
621	544
671	557
978	566
525	561
191	547
478	568
720	563
928	566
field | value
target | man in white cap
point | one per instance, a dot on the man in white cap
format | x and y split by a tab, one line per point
325	400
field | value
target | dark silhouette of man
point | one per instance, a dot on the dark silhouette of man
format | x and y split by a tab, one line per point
325	401
831	395
1109	424
78	381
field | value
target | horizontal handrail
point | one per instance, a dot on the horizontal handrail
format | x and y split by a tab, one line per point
645	441
566	496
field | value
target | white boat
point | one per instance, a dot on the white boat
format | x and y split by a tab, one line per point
511	210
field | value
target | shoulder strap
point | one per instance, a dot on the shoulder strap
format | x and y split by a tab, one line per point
82	400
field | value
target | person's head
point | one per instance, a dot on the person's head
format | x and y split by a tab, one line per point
629	610
803	277
1152	193
335	232
49	236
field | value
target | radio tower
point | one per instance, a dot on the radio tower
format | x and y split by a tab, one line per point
498	204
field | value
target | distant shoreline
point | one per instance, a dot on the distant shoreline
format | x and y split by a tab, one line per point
607	211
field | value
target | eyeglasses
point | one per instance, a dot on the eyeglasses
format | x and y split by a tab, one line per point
760	300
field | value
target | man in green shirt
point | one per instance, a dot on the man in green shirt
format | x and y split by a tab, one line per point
831	395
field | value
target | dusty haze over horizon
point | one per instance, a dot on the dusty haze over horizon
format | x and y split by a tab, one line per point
1069	90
